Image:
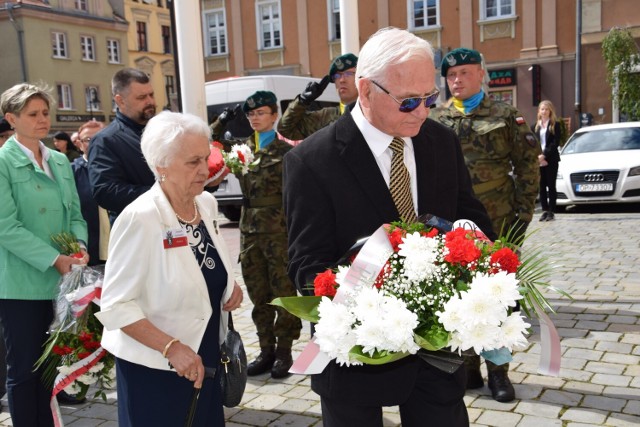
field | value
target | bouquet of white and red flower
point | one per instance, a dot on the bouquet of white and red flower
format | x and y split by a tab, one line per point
239	159
421	289
73	359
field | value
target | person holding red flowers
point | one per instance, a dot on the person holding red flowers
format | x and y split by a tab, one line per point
38	199
380	162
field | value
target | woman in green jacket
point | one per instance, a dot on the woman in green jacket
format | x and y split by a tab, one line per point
38	198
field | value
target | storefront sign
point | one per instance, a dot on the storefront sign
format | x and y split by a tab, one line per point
501	78
78	118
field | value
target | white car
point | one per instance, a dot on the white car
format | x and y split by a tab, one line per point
600	164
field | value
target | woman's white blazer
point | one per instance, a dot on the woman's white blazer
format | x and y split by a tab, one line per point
143	280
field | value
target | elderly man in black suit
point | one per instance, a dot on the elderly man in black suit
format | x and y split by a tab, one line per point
337	190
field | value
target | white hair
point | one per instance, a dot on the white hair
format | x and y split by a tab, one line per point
162	137
390	46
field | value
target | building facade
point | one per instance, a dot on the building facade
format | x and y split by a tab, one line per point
529	45
73	46
151	47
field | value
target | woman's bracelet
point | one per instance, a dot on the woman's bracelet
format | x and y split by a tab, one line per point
166	347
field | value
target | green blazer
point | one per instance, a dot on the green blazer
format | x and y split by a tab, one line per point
32	208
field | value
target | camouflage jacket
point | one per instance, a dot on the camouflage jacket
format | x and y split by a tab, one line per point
298	123
501	154
262	211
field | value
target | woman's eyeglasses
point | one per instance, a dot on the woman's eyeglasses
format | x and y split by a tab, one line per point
407	105
258	113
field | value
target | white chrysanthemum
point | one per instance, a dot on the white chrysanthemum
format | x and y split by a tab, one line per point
451	317
65	370
481	308
420	254
370	335
501	286
87	378
513	330
333	332
399	325
73	388
368	303
96	368
479	337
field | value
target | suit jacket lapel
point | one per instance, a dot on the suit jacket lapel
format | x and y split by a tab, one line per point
360	161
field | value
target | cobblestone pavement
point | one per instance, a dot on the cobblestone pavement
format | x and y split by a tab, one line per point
597	257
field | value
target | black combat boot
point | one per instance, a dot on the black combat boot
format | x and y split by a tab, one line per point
472	367
263	362
501	388
282	364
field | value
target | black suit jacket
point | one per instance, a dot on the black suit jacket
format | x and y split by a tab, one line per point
551	153
335	194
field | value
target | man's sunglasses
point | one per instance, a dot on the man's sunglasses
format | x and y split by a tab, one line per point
407	105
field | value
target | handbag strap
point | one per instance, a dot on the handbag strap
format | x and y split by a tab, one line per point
231	322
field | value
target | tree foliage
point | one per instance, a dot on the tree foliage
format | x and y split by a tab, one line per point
621	55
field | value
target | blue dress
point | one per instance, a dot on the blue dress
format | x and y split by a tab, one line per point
153	397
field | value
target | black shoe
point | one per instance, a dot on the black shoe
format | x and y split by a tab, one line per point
501	388
263	362
544	216
551	216
68	399
282	364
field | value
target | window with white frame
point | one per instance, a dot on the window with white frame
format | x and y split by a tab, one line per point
92	100
81	5
59	44
65	101
216	32
269	24
424	13
334	19
113	51
88	48
492	9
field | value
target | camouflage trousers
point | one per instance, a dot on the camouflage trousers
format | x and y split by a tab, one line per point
472	363
263	258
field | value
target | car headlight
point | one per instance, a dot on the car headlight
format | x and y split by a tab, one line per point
634	171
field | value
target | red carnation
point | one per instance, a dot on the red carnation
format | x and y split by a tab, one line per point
324	285
506	260
431	233
395	238
62	351
85	336
462	250
91	345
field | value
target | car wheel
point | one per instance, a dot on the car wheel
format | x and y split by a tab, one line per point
231	212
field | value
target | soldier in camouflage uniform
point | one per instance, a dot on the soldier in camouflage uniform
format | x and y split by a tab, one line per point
501	154
263	249
298	123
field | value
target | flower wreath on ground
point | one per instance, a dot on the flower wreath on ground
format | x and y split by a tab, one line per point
73	359
425	291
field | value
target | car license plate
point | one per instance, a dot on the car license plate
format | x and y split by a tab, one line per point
584	188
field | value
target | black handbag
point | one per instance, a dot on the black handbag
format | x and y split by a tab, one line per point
233	365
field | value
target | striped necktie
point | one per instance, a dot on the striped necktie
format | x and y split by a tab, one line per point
400	182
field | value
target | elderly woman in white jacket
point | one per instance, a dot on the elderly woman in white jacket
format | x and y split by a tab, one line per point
168	284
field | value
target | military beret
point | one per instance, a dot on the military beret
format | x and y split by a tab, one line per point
4	125
459	56
259	99
341	63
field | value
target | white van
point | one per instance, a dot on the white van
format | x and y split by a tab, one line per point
232	91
